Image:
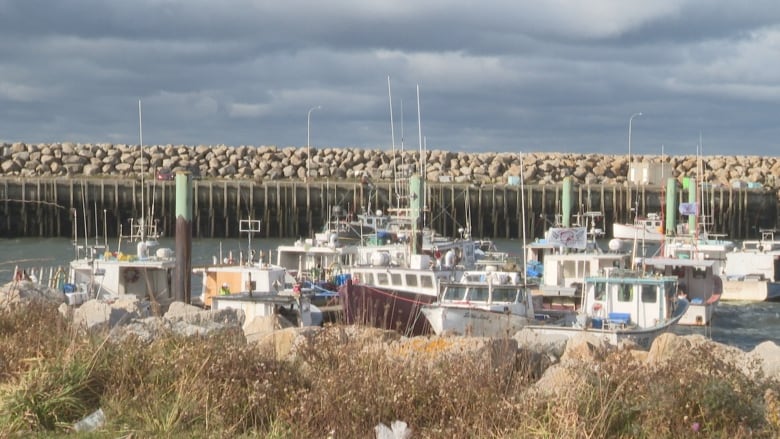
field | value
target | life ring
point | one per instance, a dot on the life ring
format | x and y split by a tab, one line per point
131	275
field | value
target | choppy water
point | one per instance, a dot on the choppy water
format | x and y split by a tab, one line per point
740	324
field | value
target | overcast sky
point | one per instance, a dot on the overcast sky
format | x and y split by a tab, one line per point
519	75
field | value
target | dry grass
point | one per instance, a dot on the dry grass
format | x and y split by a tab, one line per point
220	387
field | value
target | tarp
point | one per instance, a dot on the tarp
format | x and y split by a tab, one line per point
568	237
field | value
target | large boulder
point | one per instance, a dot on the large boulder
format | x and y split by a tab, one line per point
101	314
181	319
768	354
26	290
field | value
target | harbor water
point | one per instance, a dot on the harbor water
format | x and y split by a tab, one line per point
740	324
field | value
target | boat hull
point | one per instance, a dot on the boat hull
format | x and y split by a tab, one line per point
631	232
641	337
698	314
749	290
472	321
613	334
370	305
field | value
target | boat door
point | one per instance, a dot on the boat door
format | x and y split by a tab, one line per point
643	302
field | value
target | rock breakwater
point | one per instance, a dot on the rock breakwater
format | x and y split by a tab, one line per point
286	163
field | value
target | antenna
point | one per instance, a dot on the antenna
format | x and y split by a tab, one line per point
422	154
392	137
392	126
143	171
419	134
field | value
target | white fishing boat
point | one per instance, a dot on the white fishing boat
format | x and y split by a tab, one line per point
482	304
649	229
620	306
566	256
258	288
100	273
697	282
144	270
317	259
752	272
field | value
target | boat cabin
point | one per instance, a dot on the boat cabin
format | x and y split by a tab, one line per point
627	298
254	279
483	293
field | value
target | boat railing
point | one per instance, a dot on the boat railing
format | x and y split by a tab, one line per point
51	276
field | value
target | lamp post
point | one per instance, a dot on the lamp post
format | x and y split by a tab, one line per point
628	176
630	119
308	138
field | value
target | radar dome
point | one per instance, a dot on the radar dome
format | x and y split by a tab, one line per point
615	245
380	259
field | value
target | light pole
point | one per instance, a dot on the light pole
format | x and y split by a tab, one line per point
628	176
630	119
308	138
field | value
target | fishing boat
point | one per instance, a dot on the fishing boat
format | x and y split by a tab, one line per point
697	282
389	286
144	270
620	306
98	272
260	289
567	255
752	272
650	229
482	304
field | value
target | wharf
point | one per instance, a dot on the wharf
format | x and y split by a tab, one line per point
48	206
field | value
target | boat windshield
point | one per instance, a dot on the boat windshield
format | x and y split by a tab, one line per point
455	293
478	294
504	294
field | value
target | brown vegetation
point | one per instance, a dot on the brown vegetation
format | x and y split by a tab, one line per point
51	376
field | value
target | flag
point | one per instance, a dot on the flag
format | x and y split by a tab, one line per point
689	209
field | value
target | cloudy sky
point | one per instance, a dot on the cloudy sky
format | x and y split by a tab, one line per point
519	75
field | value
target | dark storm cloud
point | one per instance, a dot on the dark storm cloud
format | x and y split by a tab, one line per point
562	75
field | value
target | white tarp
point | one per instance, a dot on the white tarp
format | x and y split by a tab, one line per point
569	237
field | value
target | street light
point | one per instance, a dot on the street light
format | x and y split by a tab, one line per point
308	138
630	119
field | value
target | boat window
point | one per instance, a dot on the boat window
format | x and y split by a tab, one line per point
382	279
368	278
426	281
478	294
504	294
600	291
454	293
625	293
649	294
411	280
395	278
699	273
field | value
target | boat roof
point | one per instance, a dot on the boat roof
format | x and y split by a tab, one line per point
580	256
677	262
633	277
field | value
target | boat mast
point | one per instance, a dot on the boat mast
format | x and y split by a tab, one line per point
424	202
143	171
392	126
